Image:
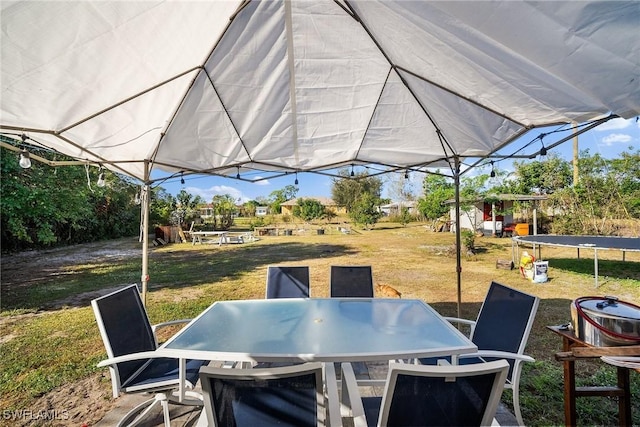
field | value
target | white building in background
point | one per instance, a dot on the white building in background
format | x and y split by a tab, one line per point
395	208
493	217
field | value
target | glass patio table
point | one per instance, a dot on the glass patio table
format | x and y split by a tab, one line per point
317	329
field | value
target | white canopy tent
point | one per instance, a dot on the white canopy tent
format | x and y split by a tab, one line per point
235	87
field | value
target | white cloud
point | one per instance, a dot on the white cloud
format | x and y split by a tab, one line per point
615	124
262	182
208	193
616	138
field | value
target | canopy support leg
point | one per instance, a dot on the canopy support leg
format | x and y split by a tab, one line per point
145	197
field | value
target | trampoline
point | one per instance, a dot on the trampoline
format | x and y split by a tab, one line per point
624	244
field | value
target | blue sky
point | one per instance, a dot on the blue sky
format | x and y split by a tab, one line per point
608	139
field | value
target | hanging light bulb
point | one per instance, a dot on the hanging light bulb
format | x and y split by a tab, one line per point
352	174
296	181
493	171
101	181
182	178
406	174
238	174
25	158
543	150
136	199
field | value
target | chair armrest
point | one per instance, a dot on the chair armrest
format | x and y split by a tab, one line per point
157	326
471	323
498	354
130	357
351	399
332	400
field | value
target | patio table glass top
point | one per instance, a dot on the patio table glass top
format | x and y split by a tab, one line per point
317	329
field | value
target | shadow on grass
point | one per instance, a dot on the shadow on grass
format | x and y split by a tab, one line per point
609	268
76	284
178	269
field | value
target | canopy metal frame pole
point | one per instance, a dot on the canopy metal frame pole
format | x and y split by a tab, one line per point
456	178
145	197
595	266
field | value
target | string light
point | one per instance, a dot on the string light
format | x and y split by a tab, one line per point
25	158
182	178
352	174
101	181
296	181
543	150
493	171
238	174
406	174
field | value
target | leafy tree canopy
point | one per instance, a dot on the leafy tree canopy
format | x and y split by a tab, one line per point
437	189
365	211
44	206
277	197
346	190
309	209
224	207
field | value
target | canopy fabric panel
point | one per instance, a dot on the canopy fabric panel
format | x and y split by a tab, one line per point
286	85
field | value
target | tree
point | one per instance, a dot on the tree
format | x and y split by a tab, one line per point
250	208
161	205
400	187
309	210
365	211
346	190
606	193
223	209
186	208
542	176
44	206
437	189
626	172
277	197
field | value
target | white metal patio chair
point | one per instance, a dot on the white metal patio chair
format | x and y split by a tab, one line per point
295	396
135	367
425	395
501	331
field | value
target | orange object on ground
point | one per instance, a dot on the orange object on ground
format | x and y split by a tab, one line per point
522	229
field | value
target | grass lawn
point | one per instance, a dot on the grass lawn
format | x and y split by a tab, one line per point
49	343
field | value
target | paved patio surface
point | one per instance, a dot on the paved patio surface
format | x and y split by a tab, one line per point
187	416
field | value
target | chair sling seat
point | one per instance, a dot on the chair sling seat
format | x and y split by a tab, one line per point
267	403
461	404
285	396
419	395
163	373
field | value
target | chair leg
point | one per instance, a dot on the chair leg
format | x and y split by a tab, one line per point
515	392
165	409
148	405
